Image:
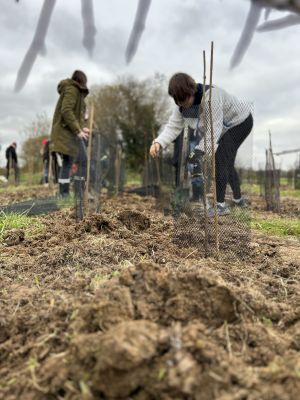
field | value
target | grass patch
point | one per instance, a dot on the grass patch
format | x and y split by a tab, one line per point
19	221
133	178
18	188
277	226
66	202
251	188
290	193
285	191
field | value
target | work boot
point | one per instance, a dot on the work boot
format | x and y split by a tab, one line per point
64	189
221	210
242	203
197	192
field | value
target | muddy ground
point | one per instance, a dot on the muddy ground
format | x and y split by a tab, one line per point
112	308
23	193
289	207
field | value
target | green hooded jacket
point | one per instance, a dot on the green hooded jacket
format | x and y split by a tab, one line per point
68	117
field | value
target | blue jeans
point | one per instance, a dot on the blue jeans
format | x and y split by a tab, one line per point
197	181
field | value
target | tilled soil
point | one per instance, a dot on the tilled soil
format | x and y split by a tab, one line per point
19	194
113	308
289	207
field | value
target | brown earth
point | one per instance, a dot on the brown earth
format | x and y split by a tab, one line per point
19	194
112	308
289	207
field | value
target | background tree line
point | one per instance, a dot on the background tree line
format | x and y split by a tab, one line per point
136	107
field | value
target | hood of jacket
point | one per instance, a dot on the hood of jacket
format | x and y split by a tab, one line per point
70	82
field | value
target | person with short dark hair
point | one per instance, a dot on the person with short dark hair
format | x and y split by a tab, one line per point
12	160
232	123
67	127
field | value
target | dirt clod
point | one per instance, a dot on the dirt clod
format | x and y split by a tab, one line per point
134	220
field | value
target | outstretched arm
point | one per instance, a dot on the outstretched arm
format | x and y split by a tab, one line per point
172	129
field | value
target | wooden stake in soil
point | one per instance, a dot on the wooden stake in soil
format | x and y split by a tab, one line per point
276	179
118	168
50	172
183	176
31	169
89	155
213	162
272	181
157	163
205	158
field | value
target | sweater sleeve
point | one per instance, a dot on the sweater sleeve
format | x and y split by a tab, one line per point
67	109
172	129
217	120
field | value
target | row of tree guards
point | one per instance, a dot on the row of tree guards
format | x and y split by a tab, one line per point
270	179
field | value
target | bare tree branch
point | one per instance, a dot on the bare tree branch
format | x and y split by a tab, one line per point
287	5
280	23
137	30
247	34
89	29
37	45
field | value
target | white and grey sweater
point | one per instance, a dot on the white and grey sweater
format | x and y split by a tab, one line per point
227	112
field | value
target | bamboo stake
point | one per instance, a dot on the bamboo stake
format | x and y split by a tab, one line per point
183	159
205	159
156	162
275	177
146	166
99	172
31	170
267	181
213	161
89	155
117	168
50	178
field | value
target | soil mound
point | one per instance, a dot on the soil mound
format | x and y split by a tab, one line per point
153	334
111	308
134	220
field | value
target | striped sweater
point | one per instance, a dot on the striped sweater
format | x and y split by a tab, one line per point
227	112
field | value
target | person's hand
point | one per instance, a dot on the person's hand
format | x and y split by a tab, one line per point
84	134
154	149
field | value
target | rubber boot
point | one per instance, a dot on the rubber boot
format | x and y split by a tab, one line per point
64	189
197	188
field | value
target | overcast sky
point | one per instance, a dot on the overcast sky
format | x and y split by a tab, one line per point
176	33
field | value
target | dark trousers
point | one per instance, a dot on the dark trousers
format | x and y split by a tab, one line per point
12	165
64	176
225	158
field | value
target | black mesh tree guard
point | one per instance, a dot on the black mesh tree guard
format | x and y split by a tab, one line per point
198	179
272	181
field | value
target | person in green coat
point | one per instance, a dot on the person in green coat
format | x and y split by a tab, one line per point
67	131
